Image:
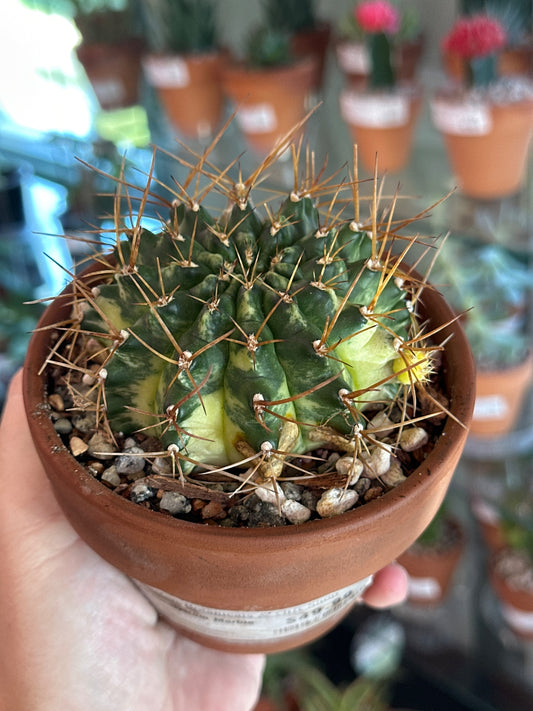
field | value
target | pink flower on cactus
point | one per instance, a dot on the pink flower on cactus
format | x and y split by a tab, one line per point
475	36
377	16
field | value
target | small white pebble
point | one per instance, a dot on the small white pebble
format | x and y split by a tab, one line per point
110	476
377	462
174	503
394	475
413	438
351	468
381	423
336	501
162	466
100	447
131	462
295	512
271	492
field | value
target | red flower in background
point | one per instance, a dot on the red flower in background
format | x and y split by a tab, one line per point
475	36
377	16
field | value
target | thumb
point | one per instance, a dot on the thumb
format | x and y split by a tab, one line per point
26	491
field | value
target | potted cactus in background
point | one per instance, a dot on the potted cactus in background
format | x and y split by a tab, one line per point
516	56
232	389
110	49
184	63
352	51
511	567
381	116
486	121
491	287
269	85
309	35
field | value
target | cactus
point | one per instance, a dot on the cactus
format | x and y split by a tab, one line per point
180	26
262	332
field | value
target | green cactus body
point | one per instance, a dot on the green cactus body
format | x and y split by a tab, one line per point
224	329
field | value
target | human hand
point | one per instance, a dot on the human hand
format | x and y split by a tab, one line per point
77	634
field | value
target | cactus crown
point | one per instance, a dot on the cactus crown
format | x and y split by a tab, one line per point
258	334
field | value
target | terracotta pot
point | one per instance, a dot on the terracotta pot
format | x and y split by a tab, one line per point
269	101
431	570
500	396
114	72
313	43
516	604
354	62
252	589
381	124
189	88
487	143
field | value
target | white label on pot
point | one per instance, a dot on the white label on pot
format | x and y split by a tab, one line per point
490	407
462	119
424	588
257	118
374	111
167	72
253	625
519	620
108	90
353	58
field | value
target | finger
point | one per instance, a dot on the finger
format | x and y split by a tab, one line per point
234	679
25	487
389	587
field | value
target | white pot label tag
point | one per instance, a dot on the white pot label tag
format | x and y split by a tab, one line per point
519	620
490	407
468	119
374	111
353	58
167	72
424	588
253	625
257	118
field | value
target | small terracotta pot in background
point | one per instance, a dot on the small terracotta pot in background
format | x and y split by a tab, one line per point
114	71
270	101
189	88
431	570
516	603
252	589
500	397
382	124
487	143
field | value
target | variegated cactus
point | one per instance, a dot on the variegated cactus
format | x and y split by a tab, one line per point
264	330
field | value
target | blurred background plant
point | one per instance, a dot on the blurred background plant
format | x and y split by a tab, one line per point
180	26
489	285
